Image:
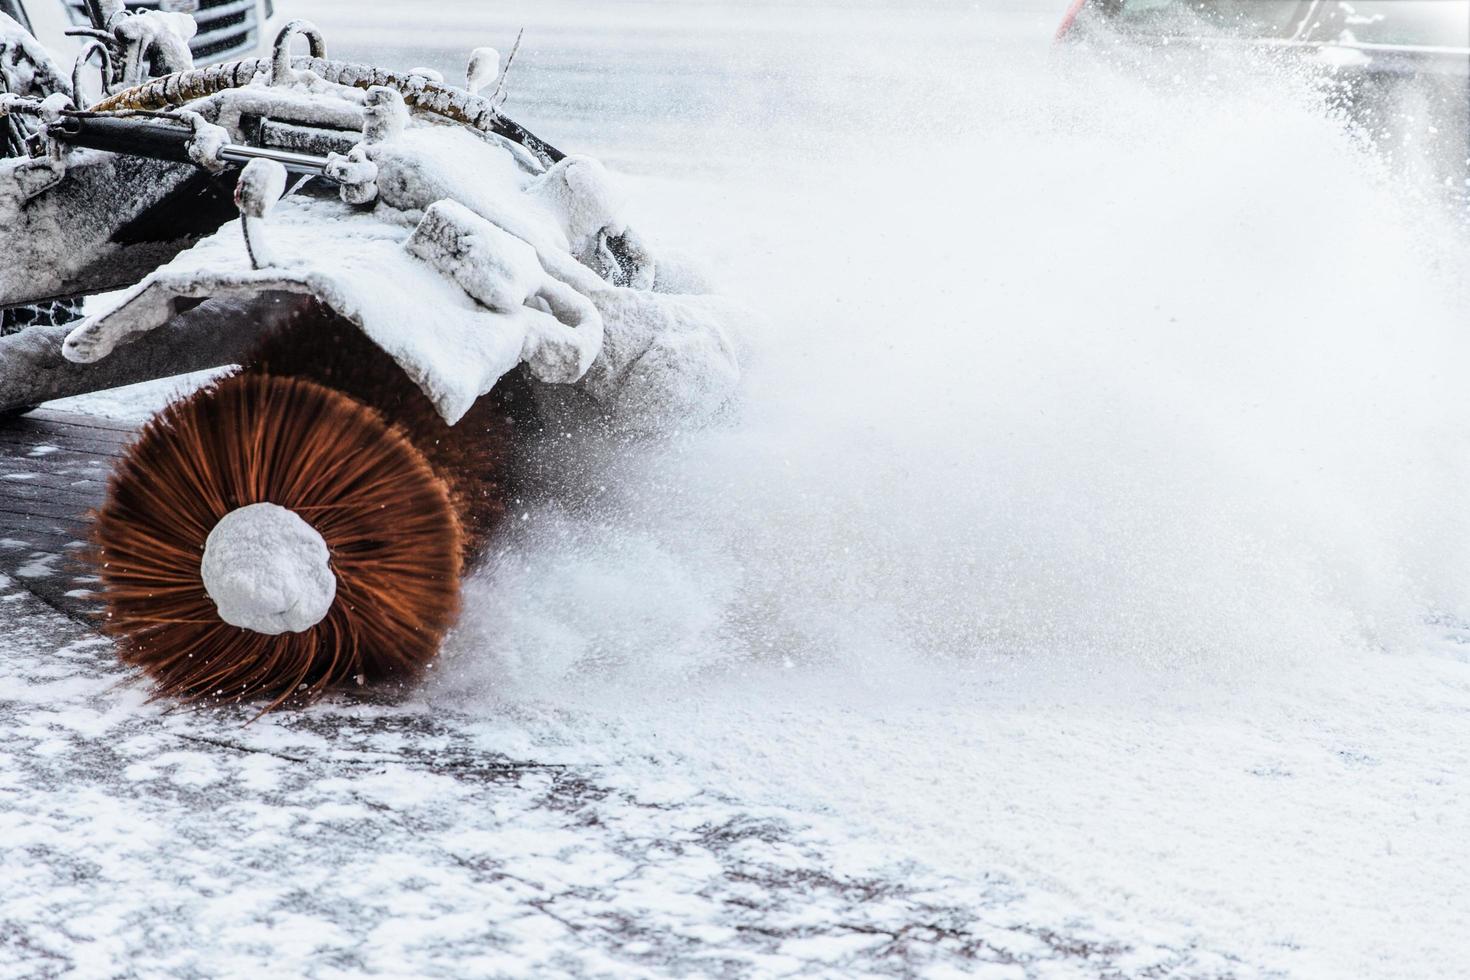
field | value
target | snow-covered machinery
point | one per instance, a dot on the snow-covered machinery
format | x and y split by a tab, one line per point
406	278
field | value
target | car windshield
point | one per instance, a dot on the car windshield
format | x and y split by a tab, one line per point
1437	23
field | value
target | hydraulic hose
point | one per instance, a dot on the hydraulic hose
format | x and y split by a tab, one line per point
418	93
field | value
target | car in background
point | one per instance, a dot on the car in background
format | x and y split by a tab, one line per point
1399	68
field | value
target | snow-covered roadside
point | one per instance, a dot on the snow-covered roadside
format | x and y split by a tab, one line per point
410	840
1312	824
135	403
982	825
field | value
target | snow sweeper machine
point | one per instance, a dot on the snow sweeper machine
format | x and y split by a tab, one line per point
399	281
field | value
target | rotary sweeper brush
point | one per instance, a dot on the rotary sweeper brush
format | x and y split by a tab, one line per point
406	281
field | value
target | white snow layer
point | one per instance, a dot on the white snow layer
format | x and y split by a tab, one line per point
268	570
156	37
451	345
490	276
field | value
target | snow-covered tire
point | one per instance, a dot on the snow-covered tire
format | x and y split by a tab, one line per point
392	543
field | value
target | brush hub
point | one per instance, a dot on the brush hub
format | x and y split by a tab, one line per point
268	570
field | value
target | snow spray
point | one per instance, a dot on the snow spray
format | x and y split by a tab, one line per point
1071	358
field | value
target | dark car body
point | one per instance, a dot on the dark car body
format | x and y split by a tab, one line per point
1400	68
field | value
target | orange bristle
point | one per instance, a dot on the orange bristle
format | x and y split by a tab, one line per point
473	456
390	525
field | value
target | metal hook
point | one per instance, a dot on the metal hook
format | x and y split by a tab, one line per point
496	98
281	54
93	47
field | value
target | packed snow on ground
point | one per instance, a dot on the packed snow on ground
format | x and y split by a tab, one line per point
1075	585
137	402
